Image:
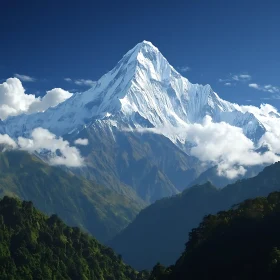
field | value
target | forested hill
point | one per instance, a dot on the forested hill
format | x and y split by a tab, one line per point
159	232
242	243
77	201
34	246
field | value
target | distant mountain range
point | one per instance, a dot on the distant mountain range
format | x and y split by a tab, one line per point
159	232
240	243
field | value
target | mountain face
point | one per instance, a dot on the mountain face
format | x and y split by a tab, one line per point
150	165
142	91
159	232
79	202
34	246
246	238
211	175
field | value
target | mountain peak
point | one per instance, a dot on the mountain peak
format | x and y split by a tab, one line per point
142	84
143	50
146	60
145	46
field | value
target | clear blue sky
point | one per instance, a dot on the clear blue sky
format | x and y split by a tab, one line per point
217	39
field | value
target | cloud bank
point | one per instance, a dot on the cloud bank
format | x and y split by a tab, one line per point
226	146
14	101
270	118
6	140
56	150
59	150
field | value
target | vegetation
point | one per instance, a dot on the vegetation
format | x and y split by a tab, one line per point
159	232
79	202
34	246
145	167
241	243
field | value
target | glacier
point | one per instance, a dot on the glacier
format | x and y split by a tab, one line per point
142	90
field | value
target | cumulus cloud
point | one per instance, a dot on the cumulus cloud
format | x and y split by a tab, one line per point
14	101
256	86
6	140
223	145
25	78
56	150
184	68
60	152
270	118
265	88
51	99
81	82
81	141
228	84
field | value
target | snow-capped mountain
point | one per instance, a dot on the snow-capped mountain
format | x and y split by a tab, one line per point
143	90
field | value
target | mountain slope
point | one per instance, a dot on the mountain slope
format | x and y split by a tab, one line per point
151	165
143	91
77	201
245	241
211	175
159	231
34	246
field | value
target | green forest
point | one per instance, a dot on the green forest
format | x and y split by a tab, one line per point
162	228
78	202
242	243
35	246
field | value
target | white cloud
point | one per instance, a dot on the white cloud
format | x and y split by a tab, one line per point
256	86
241	77
81	82
184	68
223	145
25	78
236	78
265	88
14	100
228	84
270	118
5	139
51	99
81	141
60	152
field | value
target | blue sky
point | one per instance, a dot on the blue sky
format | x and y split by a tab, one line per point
227	44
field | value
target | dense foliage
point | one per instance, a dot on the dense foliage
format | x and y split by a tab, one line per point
241	243
34	246
159	232
79	202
